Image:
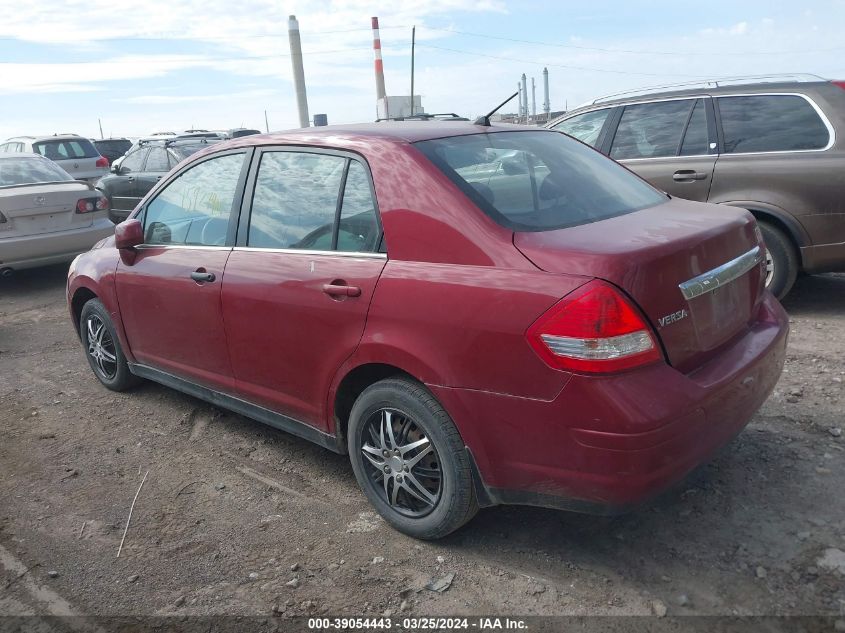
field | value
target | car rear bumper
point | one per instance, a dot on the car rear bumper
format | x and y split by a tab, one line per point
606	443
32	251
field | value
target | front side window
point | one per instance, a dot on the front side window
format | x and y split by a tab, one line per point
194	209
133	161
696	139
650	130
295	200
538	181
157	160
585	127
771	123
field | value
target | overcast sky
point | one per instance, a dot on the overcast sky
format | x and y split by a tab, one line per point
174	64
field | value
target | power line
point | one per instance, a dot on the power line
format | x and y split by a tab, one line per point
569	67
628	51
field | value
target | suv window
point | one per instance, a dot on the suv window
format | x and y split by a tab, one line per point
194	209
770	123
538	181
63	150
295	200
133	161
585	127
157	160
696	139
650	130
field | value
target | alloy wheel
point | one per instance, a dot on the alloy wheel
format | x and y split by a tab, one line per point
101	347
403	464
770	268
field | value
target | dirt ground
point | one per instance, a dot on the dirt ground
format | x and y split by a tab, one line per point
237	518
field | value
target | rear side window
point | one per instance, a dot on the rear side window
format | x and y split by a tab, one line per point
770	123
585	127
23	171
696	139
539	181
195	207
651	130
63	150
295	200
358	230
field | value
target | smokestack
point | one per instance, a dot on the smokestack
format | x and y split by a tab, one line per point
379	66
298	72
524	96
533	99
546	107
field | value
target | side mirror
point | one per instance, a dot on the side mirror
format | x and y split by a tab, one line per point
115	169
128	234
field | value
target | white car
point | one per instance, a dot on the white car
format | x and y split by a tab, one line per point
46	217
73	153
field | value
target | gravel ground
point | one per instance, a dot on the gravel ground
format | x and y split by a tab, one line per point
240	519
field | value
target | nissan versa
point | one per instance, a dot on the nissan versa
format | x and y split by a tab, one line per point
477	315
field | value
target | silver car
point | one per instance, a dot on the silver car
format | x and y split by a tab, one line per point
46	217
73	153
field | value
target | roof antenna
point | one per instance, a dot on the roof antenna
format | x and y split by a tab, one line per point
485	120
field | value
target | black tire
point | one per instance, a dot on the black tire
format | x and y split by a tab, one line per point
101	344
784	260
414	413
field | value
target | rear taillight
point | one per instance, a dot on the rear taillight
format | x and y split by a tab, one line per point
102	161
94	203
841	84
594	329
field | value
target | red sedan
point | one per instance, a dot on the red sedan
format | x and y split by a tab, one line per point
476	315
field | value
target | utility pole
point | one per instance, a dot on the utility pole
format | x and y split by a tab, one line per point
266	122
298	71
100	123
413	41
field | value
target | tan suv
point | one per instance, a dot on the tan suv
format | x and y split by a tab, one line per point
768	145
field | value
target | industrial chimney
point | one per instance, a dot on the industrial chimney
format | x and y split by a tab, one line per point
379	67
298	72
546	107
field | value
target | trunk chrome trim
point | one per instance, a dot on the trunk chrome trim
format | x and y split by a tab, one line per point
721	275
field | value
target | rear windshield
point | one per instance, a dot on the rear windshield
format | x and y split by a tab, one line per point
64	149
29	170
539	181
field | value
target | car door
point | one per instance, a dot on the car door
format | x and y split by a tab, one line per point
121	187
155	168
170	295
670	143
299	282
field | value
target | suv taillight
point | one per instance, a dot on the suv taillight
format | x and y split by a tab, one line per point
594	329
102	161
841	84
92	204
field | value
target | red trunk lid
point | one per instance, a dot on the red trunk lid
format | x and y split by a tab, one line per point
651	253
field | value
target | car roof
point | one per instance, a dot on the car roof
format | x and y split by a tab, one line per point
51	137
402	132
656	94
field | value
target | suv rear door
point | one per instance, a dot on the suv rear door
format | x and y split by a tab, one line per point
671	143
299	281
